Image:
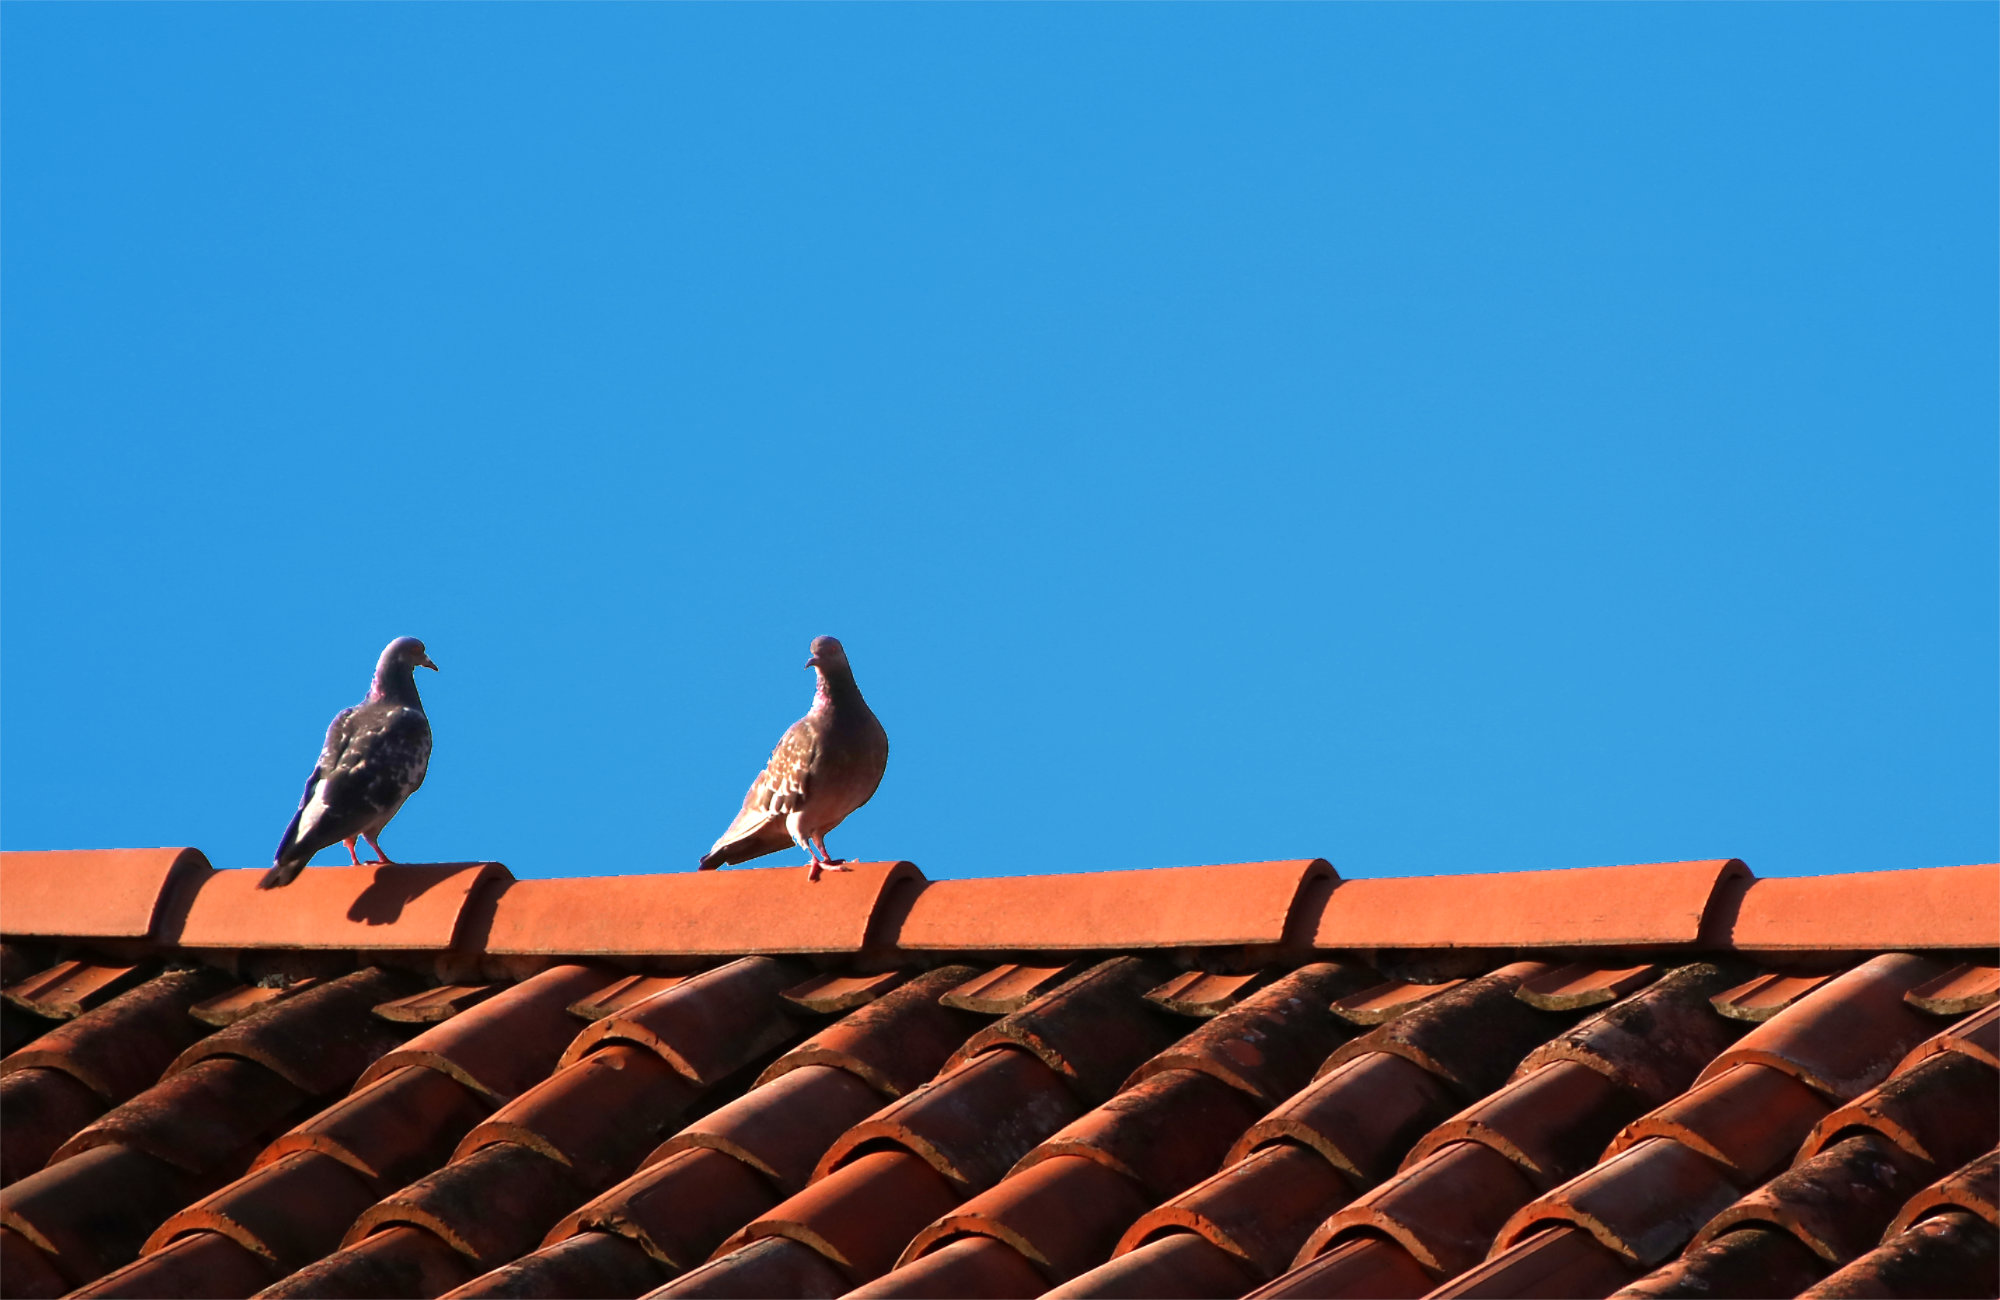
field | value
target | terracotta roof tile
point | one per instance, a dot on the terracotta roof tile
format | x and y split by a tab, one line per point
1973	1188
832	994
1655	1042
1445	1209
1471	1037
1645	1203
1587	907
70	988
1837	1203
1360	1266
372	907
319	1041
1748	1261
1361	1117
1763	996
1555	1263
708	1026
1187	1117
1380	1003
970	1267
1552	1123
620	994
1844	1036
212	1115
492	1206
971	1123
894	1044
1062	1215
399	1261
677	1210
1182	1265
1200	993
1093	1030
204	1264
860	1216
1166	1132
1940	1111
120	1048
228	1007
1940	907
92	1213
1269	1045
688	913
1951	1255
597	1116
1749	1120
29	1274
1580	985
1169	907
1977	1036
590	1264
506	1044
772	1266
1008	987
783	1127
1962	988
290	1212
433	1006
1259	1210
43	1109
390	1129
127	888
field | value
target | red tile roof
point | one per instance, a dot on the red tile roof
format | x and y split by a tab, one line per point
1204	1081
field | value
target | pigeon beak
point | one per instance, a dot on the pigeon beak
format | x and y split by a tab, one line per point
813	662
425	662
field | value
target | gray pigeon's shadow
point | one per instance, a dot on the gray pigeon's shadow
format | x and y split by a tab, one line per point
383	901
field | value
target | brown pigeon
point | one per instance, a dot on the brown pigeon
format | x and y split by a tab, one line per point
827	765
375	757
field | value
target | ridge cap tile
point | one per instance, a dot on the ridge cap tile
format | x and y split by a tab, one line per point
1569	907
1925	907
374	907
1155	907
123	901
744	911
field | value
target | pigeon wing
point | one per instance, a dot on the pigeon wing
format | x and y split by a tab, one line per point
779	790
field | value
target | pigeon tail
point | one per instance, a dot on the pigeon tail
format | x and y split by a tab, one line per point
281	873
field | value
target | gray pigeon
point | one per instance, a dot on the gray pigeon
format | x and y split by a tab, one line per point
827	765
375	757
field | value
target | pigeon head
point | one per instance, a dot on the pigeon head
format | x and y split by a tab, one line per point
406	652
826	654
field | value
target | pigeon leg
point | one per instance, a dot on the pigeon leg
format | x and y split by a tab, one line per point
826	859
349	841
380	856
804	841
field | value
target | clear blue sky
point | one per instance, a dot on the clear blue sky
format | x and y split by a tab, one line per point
1434	438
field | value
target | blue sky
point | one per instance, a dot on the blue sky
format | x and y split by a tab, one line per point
1433	438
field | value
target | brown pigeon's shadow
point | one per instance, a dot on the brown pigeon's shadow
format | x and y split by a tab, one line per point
389	892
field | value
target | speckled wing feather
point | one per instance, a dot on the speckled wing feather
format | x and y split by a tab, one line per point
779	790
375	757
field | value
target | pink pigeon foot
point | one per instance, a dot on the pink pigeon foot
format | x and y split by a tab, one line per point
352	854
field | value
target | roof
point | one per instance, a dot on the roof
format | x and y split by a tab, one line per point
1254	1079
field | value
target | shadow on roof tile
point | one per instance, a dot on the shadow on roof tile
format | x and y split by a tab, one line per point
1555	1264
772	1266
43	1110
1951	1255
1747	1262
400	1261
1181	1266
590	1264
1364	1266
201	1266
25	1272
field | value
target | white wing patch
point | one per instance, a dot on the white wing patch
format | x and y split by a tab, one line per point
310	815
